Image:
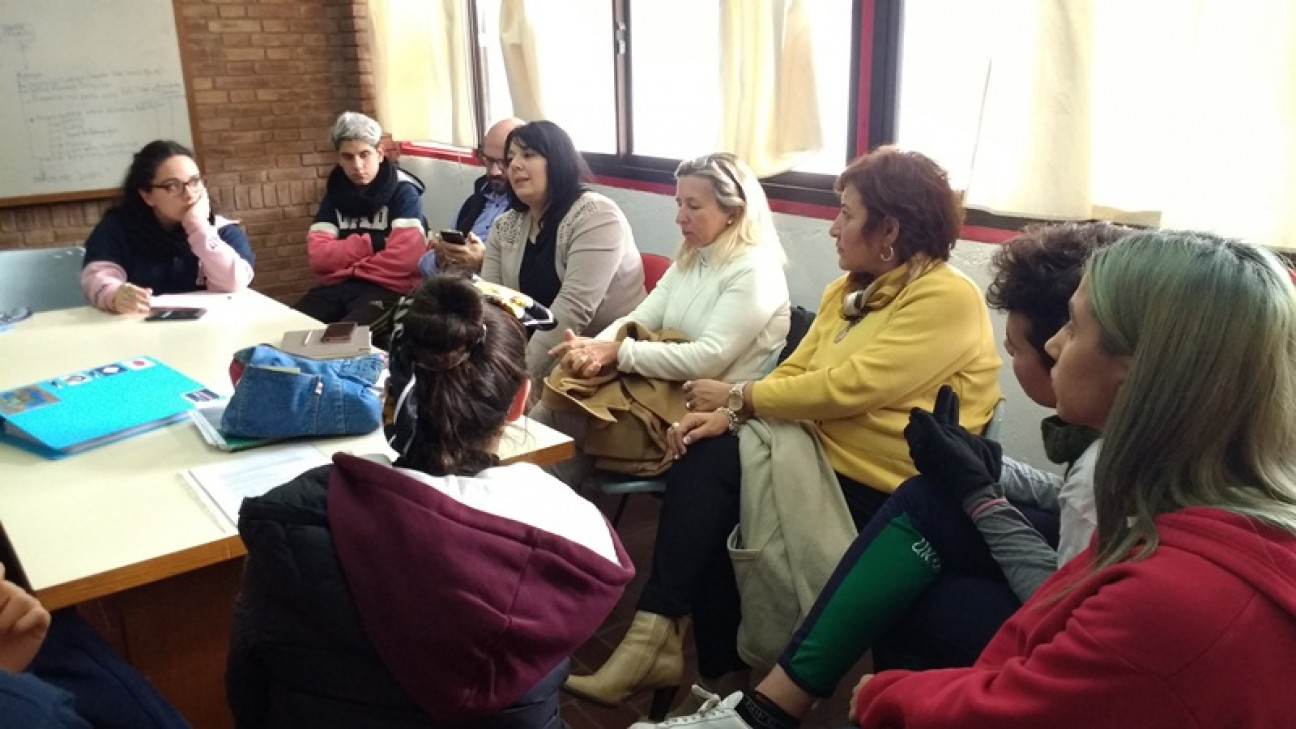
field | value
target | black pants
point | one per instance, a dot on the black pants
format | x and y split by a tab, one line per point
691	572
352	300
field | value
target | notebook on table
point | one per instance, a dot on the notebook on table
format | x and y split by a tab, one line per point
77	411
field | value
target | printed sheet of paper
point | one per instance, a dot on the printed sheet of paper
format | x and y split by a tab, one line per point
251	474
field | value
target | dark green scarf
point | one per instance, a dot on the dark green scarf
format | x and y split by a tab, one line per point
1064	442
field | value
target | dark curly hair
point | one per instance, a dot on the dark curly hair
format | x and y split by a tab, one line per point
1036	273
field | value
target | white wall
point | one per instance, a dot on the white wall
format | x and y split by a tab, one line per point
813	264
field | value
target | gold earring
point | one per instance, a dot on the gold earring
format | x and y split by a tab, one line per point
890	254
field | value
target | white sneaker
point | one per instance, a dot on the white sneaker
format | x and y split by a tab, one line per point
715	713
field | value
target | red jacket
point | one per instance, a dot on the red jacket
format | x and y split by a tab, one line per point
1201	634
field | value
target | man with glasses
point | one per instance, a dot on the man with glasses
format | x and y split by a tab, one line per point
478	213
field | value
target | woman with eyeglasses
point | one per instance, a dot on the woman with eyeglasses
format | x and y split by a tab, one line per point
446	590
889	333
162	237
562	244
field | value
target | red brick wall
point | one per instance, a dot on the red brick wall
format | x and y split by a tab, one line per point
267	78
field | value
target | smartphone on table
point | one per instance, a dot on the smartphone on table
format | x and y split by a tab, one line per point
338	333
453	237
174	313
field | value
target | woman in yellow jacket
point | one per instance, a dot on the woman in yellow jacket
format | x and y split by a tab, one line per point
900	323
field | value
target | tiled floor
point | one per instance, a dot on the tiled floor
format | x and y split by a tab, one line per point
638	529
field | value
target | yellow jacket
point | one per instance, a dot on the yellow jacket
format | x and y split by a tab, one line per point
857	383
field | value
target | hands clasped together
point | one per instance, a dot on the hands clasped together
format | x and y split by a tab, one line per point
585	356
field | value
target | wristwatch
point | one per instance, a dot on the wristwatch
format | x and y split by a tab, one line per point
735	400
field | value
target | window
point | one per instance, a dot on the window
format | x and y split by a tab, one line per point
1171	113
1179	113
564	50
676	78
640	84
678	93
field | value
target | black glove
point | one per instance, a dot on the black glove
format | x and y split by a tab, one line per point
946	452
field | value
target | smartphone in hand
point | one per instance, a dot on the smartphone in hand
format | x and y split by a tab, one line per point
453	237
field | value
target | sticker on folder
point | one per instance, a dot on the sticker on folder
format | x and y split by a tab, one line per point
24	399
103	404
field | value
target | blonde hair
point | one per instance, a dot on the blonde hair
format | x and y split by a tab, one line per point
737	190
1207	414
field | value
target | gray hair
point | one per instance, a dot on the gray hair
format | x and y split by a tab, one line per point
352	125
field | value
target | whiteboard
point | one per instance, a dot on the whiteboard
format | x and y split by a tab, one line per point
84	84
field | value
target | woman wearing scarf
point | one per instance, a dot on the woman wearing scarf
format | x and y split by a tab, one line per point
162	237
889	333
369	233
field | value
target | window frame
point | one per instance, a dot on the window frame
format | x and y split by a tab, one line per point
875	54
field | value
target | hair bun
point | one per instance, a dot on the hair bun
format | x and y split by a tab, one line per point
444	321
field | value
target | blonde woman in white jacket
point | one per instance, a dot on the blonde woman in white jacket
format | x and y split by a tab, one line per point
726	292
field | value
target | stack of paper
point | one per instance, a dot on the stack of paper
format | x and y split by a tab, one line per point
207	418
252	474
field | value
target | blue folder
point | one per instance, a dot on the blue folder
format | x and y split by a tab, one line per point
81	410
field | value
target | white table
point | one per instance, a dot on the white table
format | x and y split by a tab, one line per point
120	521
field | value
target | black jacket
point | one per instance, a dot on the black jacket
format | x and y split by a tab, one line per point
299	654
473	206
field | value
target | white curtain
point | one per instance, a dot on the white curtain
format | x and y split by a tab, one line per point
421	70
770	106
521	60
1178	113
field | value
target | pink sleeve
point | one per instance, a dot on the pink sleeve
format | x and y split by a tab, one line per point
100	281
327	254
396	265
224	269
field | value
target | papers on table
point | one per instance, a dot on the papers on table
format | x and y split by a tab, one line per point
225	485
207	418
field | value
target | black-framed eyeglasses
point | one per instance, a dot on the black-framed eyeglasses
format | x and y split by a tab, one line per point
174	187
489	162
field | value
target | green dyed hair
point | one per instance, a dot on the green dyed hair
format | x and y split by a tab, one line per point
1207	415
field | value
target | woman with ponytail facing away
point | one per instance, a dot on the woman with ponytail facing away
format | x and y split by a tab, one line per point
447	589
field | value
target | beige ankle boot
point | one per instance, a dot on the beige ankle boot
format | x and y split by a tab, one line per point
651	656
